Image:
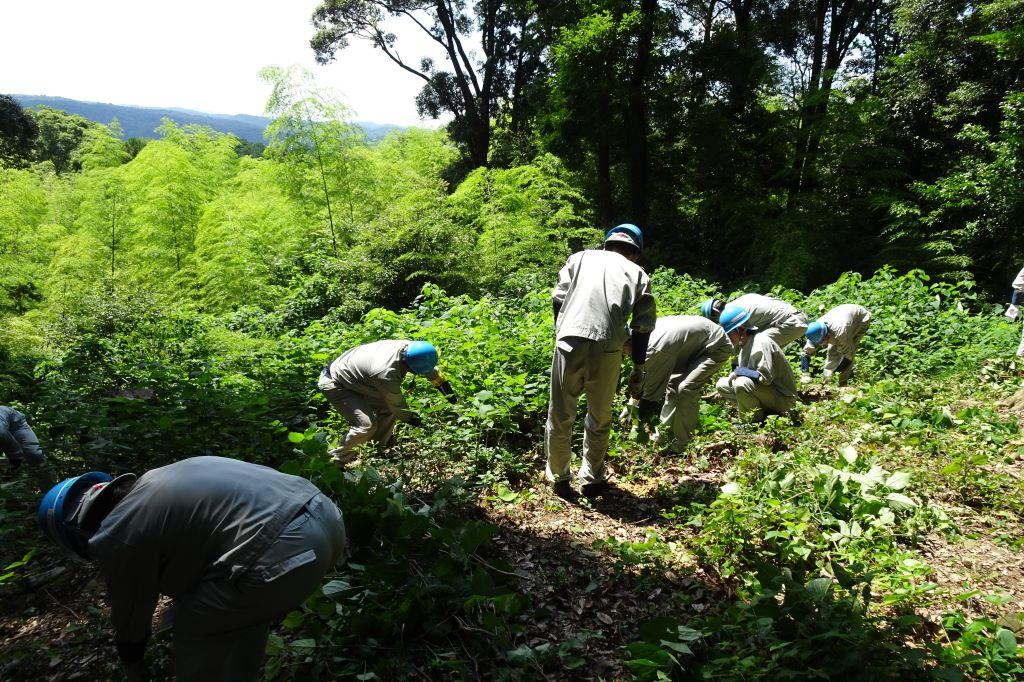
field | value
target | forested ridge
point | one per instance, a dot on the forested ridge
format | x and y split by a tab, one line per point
175	297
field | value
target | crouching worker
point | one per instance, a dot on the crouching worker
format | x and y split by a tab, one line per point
763	382
237	546
684	353
19	443
771	316
365	385
841	329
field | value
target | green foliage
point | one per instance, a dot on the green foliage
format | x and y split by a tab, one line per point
416	594
527	219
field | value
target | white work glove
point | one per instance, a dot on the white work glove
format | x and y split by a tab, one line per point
636	381
805	378
1011	312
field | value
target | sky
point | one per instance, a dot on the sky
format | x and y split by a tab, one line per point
194	54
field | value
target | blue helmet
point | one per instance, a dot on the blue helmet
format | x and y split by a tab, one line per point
60	503
733	317
421	357
711	309
635	236
816	332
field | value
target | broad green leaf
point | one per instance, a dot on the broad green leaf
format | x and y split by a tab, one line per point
849	453
900	502
898	481
335	586
1006	640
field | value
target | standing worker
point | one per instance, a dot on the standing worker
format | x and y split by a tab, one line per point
237	546
771	316
841	329
684	353
19	443
597	293
365	385
1012	310
763	382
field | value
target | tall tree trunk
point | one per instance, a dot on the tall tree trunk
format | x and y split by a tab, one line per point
636	117
605	206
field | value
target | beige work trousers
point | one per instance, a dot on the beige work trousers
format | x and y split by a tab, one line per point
792	328
581	366
754	400
680	412
368	419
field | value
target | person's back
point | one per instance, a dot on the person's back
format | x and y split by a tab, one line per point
372	369
765	311
598	291
846	322
774	318
678	340
200	518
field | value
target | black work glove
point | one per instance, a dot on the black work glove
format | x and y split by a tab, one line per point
448	392
647	410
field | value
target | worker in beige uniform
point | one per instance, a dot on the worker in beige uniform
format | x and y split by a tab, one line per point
236	545
365	385
841	330
684	353
771	316
1012	311
597	294
763	381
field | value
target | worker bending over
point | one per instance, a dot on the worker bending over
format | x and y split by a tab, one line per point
684	353
597	293
237	546
771	316
19	443
365	385
841	329
763	382
1016	297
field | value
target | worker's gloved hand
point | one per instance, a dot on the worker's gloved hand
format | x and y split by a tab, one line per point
648	410
445	387
636	381
747	373
414	420
1011	312
805	378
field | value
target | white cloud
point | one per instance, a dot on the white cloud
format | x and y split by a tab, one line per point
193	54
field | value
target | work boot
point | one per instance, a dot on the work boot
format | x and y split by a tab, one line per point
594	489
563	489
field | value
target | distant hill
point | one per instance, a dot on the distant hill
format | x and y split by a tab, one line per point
142	121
